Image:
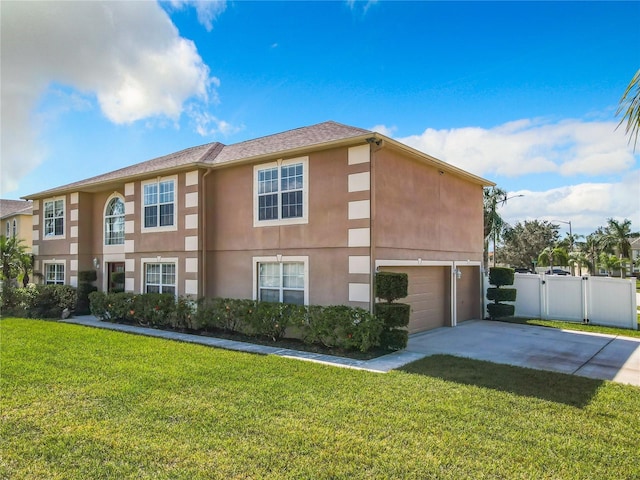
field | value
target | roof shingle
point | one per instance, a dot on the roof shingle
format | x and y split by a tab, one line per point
15	207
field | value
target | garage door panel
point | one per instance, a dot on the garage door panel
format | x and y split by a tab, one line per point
428	296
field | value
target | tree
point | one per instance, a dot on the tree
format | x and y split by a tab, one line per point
493	222
524	242
616	239
551	256
578	259
15	259
630	104
591	249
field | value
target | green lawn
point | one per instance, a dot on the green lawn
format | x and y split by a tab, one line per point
91	404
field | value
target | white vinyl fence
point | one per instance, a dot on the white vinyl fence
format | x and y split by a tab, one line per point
598	300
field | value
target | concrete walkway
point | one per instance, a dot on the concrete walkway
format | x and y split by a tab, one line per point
605	357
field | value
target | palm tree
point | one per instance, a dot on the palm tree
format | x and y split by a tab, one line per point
616	239
610	263
630	103
15	259
493	222
578	259
551	256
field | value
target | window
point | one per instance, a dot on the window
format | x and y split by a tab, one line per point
114	222
281	282
54	274
8	229
160	278
159	204
54	218
15	228
281	192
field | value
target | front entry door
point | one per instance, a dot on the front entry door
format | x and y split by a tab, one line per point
115	278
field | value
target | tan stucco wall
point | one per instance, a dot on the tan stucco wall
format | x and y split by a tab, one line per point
233	241
421	213
24	227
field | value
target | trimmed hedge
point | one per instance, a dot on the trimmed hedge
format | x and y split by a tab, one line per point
500	310
500	276
393	314
333	326
391	286
501	294
38	301
85	287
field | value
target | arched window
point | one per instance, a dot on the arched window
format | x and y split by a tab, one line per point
8	229
114	222
15	227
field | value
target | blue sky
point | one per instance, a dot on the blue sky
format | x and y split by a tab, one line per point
523	94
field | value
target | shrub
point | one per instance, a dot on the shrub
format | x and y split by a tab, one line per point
341	326
98	305
120	306
85	287
49	301
152	309
183	314
499	310
501	294
391	286
499	277
393	314
270	320
394	339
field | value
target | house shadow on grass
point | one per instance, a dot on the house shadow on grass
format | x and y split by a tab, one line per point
555	387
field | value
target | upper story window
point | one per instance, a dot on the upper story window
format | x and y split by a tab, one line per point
8	230
281	192
159	204
54	218
114	222
15	227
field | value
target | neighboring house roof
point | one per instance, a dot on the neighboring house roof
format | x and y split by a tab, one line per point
635	243
321	135
9	208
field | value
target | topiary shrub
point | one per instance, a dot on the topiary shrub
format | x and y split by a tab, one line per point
85	288
390	286
500	276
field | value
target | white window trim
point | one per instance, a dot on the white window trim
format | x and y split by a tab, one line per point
45	263
64	219
158	259
14	228
8	229
305	193
167	228
111	248
281	259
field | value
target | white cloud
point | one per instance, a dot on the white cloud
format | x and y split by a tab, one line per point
586	205
127	55
206	10
384	130
530	146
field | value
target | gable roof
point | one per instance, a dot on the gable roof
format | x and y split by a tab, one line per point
9	208
321	135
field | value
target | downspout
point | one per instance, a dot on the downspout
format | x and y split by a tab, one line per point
202	269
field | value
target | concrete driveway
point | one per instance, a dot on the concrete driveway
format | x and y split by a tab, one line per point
592	355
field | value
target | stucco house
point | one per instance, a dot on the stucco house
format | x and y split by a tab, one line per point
303	216
15	220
